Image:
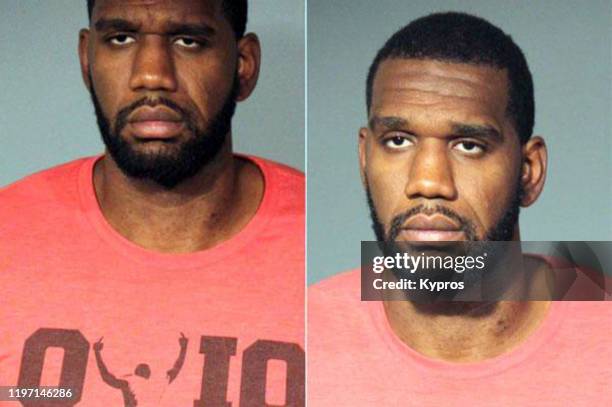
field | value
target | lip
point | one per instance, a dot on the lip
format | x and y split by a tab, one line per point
155	123
431	229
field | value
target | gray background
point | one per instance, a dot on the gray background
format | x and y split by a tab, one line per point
46	116
568	47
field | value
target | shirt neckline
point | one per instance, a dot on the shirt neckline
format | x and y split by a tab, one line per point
91	209
547	329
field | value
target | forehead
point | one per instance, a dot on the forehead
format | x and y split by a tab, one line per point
157	12
459	91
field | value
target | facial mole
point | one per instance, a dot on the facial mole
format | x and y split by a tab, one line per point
502	326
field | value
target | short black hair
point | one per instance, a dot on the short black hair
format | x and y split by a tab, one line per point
464	38
234	10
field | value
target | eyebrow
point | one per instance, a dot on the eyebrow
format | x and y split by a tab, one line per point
476	130
119	24
390	122
203	30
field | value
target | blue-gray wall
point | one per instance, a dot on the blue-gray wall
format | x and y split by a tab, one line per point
568	47
46	116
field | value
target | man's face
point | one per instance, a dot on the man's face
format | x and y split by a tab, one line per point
163	77
440	159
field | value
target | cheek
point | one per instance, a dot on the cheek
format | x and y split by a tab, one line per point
206	84
111	87
387	182
487	192
106	92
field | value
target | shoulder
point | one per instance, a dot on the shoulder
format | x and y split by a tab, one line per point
340	289
41	192
582	327
283	185
337	316
577	282
280	173
280	168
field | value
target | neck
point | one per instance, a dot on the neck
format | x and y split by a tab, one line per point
197	214
472	333
467	332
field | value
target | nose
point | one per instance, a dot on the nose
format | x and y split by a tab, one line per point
430	173
153	65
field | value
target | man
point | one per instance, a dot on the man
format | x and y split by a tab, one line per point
448	155
168	232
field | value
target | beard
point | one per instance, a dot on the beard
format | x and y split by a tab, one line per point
502	230
176	161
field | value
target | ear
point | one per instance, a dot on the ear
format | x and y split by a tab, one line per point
533	172
84	56
249	61
363	134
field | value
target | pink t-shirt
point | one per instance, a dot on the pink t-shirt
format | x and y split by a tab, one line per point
355	359
68	279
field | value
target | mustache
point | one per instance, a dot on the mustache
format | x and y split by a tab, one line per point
122	116
398	221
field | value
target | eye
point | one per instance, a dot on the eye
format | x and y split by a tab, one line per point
187	42
397	142
469	148
121	39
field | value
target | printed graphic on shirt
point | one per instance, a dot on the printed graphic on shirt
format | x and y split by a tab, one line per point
142	372
146	387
